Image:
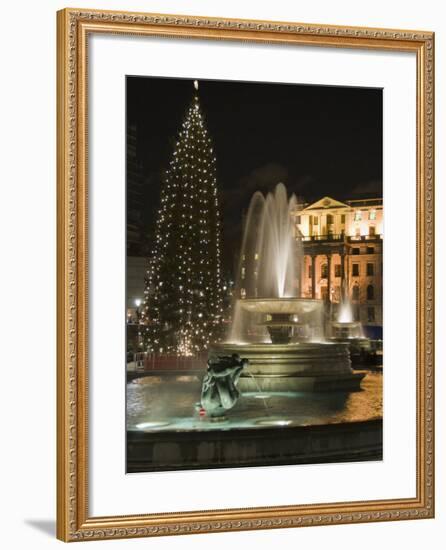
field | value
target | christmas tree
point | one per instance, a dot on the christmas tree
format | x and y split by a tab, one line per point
183	302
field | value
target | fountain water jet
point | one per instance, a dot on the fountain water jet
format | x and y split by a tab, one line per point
346	327
268	309
349	331
268	259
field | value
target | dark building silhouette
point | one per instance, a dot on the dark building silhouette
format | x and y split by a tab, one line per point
134	195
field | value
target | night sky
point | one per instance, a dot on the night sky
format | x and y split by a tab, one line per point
317	140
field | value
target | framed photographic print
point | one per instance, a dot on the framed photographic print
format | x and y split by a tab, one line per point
245	274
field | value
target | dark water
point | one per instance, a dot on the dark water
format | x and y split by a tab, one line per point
168	403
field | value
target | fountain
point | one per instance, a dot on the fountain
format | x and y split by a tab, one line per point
280	333
349	331
346	327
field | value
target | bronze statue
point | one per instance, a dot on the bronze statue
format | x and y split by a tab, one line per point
219	391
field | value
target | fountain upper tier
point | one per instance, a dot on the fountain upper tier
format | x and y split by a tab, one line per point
281	305
282	314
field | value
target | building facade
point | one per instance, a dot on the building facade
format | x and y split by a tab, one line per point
342	246
134	194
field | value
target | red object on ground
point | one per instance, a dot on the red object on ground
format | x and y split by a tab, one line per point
202	412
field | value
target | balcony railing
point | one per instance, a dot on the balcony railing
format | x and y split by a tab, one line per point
355	239
339	238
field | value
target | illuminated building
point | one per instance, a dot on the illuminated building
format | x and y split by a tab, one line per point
342	247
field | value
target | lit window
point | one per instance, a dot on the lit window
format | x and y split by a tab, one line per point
358	216
324	271
372	215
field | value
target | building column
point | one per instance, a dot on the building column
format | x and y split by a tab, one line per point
313	275
343	289
300	275
329	278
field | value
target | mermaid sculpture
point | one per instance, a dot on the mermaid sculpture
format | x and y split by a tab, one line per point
219	391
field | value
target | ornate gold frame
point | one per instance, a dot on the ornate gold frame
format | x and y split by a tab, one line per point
73	520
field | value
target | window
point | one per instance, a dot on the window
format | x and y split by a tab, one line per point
358	216
370	270
355	270
370	292
310	274
298	220
370	250
243	272
372	215
355	251
337	270
315	220
371	314
372	231
355	293
324	271
342	218
330	218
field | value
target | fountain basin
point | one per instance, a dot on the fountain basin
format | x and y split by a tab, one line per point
284	428
350	333
345	330
281	305
281	314
305	366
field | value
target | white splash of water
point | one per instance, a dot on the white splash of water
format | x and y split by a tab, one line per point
270	259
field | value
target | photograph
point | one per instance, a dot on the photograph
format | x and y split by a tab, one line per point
254	274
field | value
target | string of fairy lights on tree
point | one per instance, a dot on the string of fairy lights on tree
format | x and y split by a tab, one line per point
183	299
